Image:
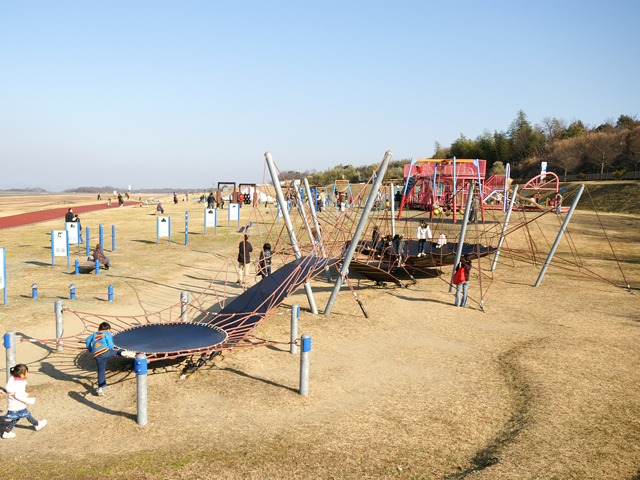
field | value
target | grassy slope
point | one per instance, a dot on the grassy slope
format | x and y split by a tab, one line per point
617	197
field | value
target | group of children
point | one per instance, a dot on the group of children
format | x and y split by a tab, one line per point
99	344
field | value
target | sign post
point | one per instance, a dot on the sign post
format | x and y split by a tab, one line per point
59	246
211	220
3	273
163	228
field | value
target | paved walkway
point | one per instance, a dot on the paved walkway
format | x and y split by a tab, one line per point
54	213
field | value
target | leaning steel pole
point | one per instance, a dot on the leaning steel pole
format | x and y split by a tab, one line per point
287	221
463	232
559	237
359	230
504	228
316	225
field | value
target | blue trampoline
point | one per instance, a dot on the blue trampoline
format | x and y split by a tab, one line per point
159	338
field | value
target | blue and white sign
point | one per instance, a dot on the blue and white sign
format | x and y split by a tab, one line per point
211	220
3	273
234	213
72	230
60	242
163	228
59	246
543	170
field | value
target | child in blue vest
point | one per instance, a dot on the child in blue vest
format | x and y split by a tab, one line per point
100	345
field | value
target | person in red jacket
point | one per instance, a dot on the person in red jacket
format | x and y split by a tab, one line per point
464	285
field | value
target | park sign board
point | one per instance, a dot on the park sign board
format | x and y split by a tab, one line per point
72	230
60	243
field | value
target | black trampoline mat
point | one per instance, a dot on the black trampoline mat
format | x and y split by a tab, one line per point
168	337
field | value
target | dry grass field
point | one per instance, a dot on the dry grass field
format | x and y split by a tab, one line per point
544	384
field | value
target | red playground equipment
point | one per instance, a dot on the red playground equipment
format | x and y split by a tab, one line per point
440	185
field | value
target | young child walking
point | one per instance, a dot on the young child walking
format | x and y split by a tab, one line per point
17	401
100	345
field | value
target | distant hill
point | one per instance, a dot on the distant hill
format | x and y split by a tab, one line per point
109	189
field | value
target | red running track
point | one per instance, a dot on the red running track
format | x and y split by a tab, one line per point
54	213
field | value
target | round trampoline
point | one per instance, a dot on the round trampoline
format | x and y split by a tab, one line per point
159	338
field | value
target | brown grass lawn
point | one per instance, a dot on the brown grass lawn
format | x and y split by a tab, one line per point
542	385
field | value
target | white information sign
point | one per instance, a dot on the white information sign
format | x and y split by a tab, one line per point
59	243
210	215
543	170
72	230
234	212
163	226
2	268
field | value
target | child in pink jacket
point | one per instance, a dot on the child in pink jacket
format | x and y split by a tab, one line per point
17	401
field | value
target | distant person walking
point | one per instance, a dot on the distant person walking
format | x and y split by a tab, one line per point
244	259
120	200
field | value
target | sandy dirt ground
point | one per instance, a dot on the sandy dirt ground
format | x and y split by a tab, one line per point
544	384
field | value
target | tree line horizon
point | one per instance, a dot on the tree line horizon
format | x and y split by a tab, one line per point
567	148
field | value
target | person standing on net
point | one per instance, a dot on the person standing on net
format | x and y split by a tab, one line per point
464	285
424	233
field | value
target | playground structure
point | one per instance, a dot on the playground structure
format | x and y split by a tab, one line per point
439	186
186	330
341	192
220	190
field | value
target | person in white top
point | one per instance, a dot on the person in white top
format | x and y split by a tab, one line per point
17	401
424	233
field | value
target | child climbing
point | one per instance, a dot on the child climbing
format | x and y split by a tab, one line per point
17	401
100	345
264	262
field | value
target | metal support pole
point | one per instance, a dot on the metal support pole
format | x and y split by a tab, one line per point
296	188
101	235
463	232
57	308
504	228
87	240
10	345
77	267
359	229
295	315
113	238
314	216
34	290
304	364
184	303
186	228
110	293
72	292
287	220
97	270
140	369
392	205
560	234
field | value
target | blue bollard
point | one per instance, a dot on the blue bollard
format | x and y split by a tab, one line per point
113	238
97	267
77	267
34	290
88	240
72	291
101	233
110	294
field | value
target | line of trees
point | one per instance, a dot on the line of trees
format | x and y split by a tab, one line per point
566	147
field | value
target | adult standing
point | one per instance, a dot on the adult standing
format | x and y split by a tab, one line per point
464	285
244	259
210	200
120	200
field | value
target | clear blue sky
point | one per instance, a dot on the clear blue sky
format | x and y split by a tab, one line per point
187	93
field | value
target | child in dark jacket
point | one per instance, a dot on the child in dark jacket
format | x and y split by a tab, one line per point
264	262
